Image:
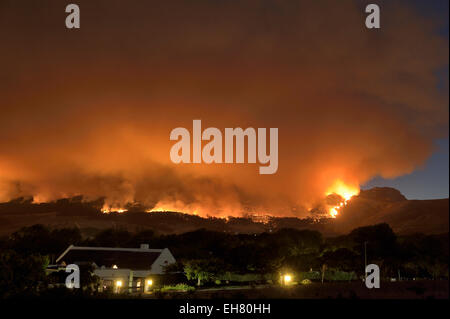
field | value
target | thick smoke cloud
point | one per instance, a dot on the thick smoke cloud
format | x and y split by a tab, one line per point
90	111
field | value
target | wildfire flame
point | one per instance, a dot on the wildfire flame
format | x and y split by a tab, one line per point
334	211
345	191
108	209
176	206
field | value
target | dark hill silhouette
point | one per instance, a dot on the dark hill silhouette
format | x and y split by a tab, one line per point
383	194
388	205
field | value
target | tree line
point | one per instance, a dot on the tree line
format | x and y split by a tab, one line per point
207	256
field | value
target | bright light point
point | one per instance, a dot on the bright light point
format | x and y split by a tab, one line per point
149	282
333	212
119	283
343	190
287	279
115	267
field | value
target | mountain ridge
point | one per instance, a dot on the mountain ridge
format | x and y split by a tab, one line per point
373	206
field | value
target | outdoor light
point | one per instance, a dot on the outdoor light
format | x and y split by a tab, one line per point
119	283
287	279
115	267
149	283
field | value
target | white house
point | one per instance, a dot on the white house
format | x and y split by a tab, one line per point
132	269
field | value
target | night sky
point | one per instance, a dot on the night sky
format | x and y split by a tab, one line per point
427	182
432	179
89	111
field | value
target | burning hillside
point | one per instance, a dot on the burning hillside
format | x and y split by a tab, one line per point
369	207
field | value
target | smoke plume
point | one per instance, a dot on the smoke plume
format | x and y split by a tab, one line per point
89	111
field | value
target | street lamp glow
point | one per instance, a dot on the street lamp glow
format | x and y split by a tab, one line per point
287	279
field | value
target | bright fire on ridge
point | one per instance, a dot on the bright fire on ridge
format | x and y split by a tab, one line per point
162	209
343	190
176	206
346	191
107	209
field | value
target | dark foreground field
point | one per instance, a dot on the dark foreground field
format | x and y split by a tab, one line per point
427	289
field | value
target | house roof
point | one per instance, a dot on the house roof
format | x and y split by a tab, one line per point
132	258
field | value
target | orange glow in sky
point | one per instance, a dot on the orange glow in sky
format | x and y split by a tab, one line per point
344	190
